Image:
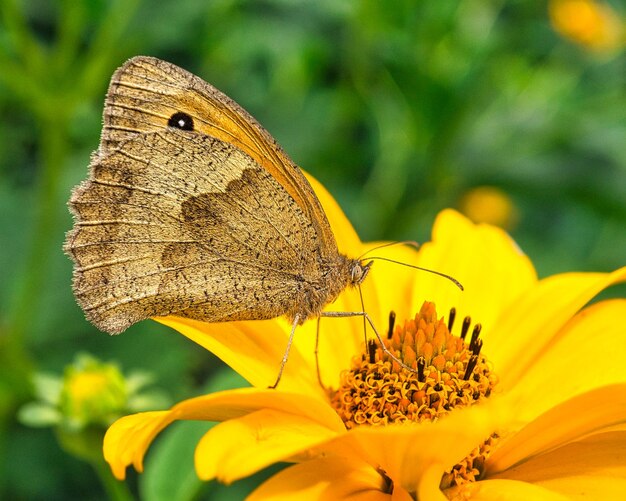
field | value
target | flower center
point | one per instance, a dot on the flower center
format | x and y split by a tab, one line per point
449	372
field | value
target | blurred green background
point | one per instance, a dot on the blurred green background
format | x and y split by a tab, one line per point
401	108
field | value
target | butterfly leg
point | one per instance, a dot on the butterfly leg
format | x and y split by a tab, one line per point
343	314
296	320
317	359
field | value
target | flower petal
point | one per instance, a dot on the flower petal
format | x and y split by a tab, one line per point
483	258
390	285
529	326
328	478
428	488
503	490
128	439
254	349
347	239
562	424
240	447
595	344
407	452
592	468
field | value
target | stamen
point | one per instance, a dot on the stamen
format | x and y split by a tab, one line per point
471	365
392	323
421	365
451	317
475	334
467	321
477	346
371	348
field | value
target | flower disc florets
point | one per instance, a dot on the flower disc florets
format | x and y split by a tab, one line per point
448	372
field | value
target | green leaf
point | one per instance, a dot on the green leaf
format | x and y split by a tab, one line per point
169	473
38	415
47	387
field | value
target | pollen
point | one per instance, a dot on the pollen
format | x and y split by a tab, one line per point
448	372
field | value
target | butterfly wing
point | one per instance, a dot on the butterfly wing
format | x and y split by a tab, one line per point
145	93
177	222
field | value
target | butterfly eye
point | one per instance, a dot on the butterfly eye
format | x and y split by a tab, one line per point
181	121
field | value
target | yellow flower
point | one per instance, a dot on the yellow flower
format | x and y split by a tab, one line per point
589	23
522	409
487	204
93	392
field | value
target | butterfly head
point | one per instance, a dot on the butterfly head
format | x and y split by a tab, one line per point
358	271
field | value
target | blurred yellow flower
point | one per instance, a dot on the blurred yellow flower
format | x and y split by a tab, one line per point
587	22
491	205
82	403
92	392
519	406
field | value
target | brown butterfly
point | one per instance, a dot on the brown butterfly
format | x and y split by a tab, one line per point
192	209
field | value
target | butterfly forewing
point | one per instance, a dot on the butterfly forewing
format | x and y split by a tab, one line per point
146	92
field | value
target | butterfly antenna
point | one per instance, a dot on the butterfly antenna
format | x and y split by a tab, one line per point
428	270
412	243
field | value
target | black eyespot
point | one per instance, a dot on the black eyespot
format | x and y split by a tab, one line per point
181	121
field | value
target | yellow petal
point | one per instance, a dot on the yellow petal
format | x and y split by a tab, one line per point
503	490
240	447
389	285
408	452
587	353
592	468
347	239
128	439
428	488
326	479
562	424
254	349
483	258
529	326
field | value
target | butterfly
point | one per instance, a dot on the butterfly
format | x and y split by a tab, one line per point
192	209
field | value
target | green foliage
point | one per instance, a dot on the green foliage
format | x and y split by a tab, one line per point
398	107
